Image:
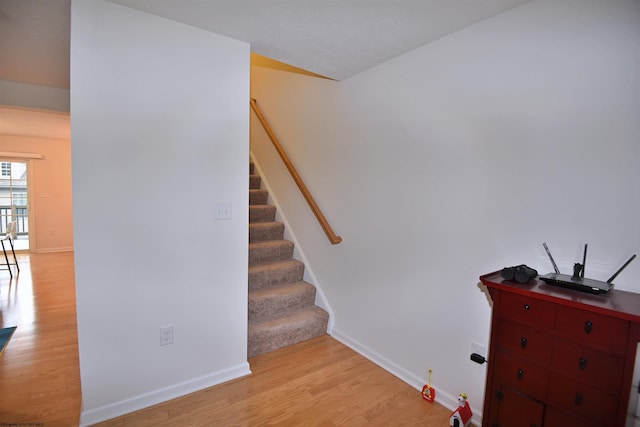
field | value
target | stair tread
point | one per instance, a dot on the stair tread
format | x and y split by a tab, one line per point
290	318
261	213
285	289
255	181
266	224
269	274
285	330
270	243
258	197
265	231
275	265
265	303
270	251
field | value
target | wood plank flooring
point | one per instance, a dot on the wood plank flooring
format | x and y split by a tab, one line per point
39	372
316	383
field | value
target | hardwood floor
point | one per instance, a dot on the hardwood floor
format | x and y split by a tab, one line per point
40	376
316	383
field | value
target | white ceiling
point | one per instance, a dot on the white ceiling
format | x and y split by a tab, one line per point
333	38
34	42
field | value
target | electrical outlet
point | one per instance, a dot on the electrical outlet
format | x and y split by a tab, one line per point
479	349
166	335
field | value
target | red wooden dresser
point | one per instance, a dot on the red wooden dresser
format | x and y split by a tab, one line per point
559	357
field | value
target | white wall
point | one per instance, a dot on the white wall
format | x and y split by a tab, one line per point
33	96
458	159
50	200
157	108
42	136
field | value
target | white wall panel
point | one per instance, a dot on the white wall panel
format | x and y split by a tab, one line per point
457	159
159	131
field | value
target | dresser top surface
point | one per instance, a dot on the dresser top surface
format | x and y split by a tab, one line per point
622	304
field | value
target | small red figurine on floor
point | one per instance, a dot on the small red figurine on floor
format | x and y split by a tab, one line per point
461	417
428	392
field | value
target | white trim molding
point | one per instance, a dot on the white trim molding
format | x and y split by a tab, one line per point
448	400
12	155
136	403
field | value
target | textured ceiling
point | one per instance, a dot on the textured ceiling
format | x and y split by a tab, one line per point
333	38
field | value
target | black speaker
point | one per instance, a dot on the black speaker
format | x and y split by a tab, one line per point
520	273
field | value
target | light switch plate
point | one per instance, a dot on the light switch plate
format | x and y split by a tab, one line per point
222	210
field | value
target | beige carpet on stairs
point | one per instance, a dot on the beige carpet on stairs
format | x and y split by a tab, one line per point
282	308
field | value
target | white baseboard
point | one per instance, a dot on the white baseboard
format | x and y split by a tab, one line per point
136	403
445	399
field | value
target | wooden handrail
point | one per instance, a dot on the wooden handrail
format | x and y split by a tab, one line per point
296	177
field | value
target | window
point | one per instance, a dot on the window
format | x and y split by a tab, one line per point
20	198
5	169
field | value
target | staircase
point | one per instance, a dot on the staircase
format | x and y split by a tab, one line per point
281	305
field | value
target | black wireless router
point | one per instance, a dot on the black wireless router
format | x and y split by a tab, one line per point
577	281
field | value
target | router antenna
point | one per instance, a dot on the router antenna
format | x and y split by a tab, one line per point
584	260
620	269
555	267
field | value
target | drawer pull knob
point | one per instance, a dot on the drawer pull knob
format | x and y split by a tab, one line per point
582	364
527	306
578	399
523	342
588	325
520	374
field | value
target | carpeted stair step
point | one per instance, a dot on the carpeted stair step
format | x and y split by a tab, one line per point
284	330
255	182
281	304
265	303
261	231
258	197
272	274
270	251
262	213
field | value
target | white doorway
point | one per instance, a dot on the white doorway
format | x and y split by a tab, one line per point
14	201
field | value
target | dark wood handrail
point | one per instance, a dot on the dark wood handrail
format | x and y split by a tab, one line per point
333	238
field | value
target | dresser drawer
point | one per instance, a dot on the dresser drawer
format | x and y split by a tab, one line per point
583	399
514	409
528	310
556	418
524	341
521	374
591	329
591	366
568	351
